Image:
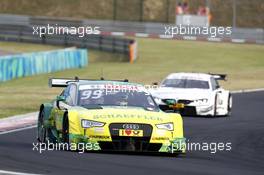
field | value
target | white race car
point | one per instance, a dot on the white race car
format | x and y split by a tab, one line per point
200	93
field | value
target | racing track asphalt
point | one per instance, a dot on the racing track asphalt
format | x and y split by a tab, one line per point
244	129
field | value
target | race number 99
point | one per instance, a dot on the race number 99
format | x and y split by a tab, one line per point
90	94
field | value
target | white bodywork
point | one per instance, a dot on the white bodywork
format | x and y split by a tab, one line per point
211	101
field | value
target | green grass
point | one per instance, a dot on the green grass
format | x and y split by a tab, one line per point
243	63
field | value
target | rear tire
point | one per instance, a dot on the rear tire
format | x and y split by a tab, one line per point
229	105
215	107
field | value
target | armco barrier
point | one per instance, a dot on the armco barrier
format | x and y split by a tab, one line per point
22	65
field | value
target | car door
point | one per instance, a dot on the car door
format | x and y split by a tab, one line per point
218	91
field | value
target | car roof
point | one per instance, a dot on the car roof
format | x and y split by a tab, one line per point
187	75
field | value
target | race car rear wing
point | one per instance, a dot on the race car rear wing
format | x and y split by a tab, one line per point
219	76
63	82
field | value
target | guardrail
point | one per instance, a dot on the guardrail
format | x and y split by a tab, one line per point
105	43
23	33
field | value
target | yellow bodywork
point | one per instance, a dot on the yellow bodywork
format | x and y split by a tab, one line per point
110	115
125	115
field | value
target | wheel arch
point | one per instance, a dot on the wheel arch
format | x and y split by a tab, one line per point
47	108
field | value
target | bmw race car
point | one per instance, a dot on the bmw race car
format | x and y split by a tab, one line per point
109	115
199	93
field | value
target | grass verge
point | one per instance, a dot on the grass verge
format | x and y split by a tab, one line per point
243	63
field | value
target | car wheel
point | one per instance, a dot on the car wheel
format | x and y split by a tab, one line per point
215	106
65	129
42	131
229	105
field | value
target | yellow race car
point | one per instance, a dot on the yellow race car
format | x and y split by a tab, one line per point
106	115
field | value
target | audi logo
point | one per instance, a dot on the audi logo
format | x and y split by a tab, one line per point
131	126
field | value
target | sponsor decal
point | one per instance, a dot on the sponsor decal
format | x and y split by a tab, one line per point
133	116
99	137
131	132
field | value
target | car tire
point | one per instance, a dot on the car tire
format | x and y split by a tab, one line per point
215	106
42	131
229	105
65	129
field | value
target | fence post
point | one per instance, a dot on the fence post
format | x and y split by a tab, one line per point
65	40
168	10
141	10
234	13
114	9
43	37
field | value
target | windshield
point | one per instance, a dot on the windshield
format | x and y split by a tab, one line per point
96	97
185	83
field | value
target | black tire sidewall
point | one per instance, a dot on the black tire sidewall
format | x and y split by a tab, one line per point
65	129
42	136
215	106
228	105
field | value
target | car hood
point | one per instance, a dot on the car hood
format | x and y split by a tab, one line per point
181	93
124	115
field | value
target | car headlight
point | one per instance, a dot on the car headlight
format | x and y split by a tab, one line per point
166	126
201	101
90	124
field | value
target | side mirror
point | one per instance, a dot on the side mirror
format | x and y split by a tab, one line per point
58	99
61	98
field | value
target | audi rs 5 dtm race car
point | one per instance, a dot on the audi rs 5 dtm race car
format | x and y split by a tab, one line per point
109	115
199	93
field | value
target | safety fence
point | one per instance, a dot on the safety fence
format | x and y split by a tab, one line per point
238	13
119	29
22	65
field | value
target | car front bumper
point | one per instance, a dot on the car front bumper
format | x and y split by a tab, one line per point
176	145
198	110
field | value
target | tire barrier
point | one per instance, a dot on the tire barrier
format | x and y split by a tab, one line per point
28	64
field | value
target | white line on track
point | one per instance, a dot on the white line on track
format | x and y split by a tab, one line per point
15	173
17	130
247	90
